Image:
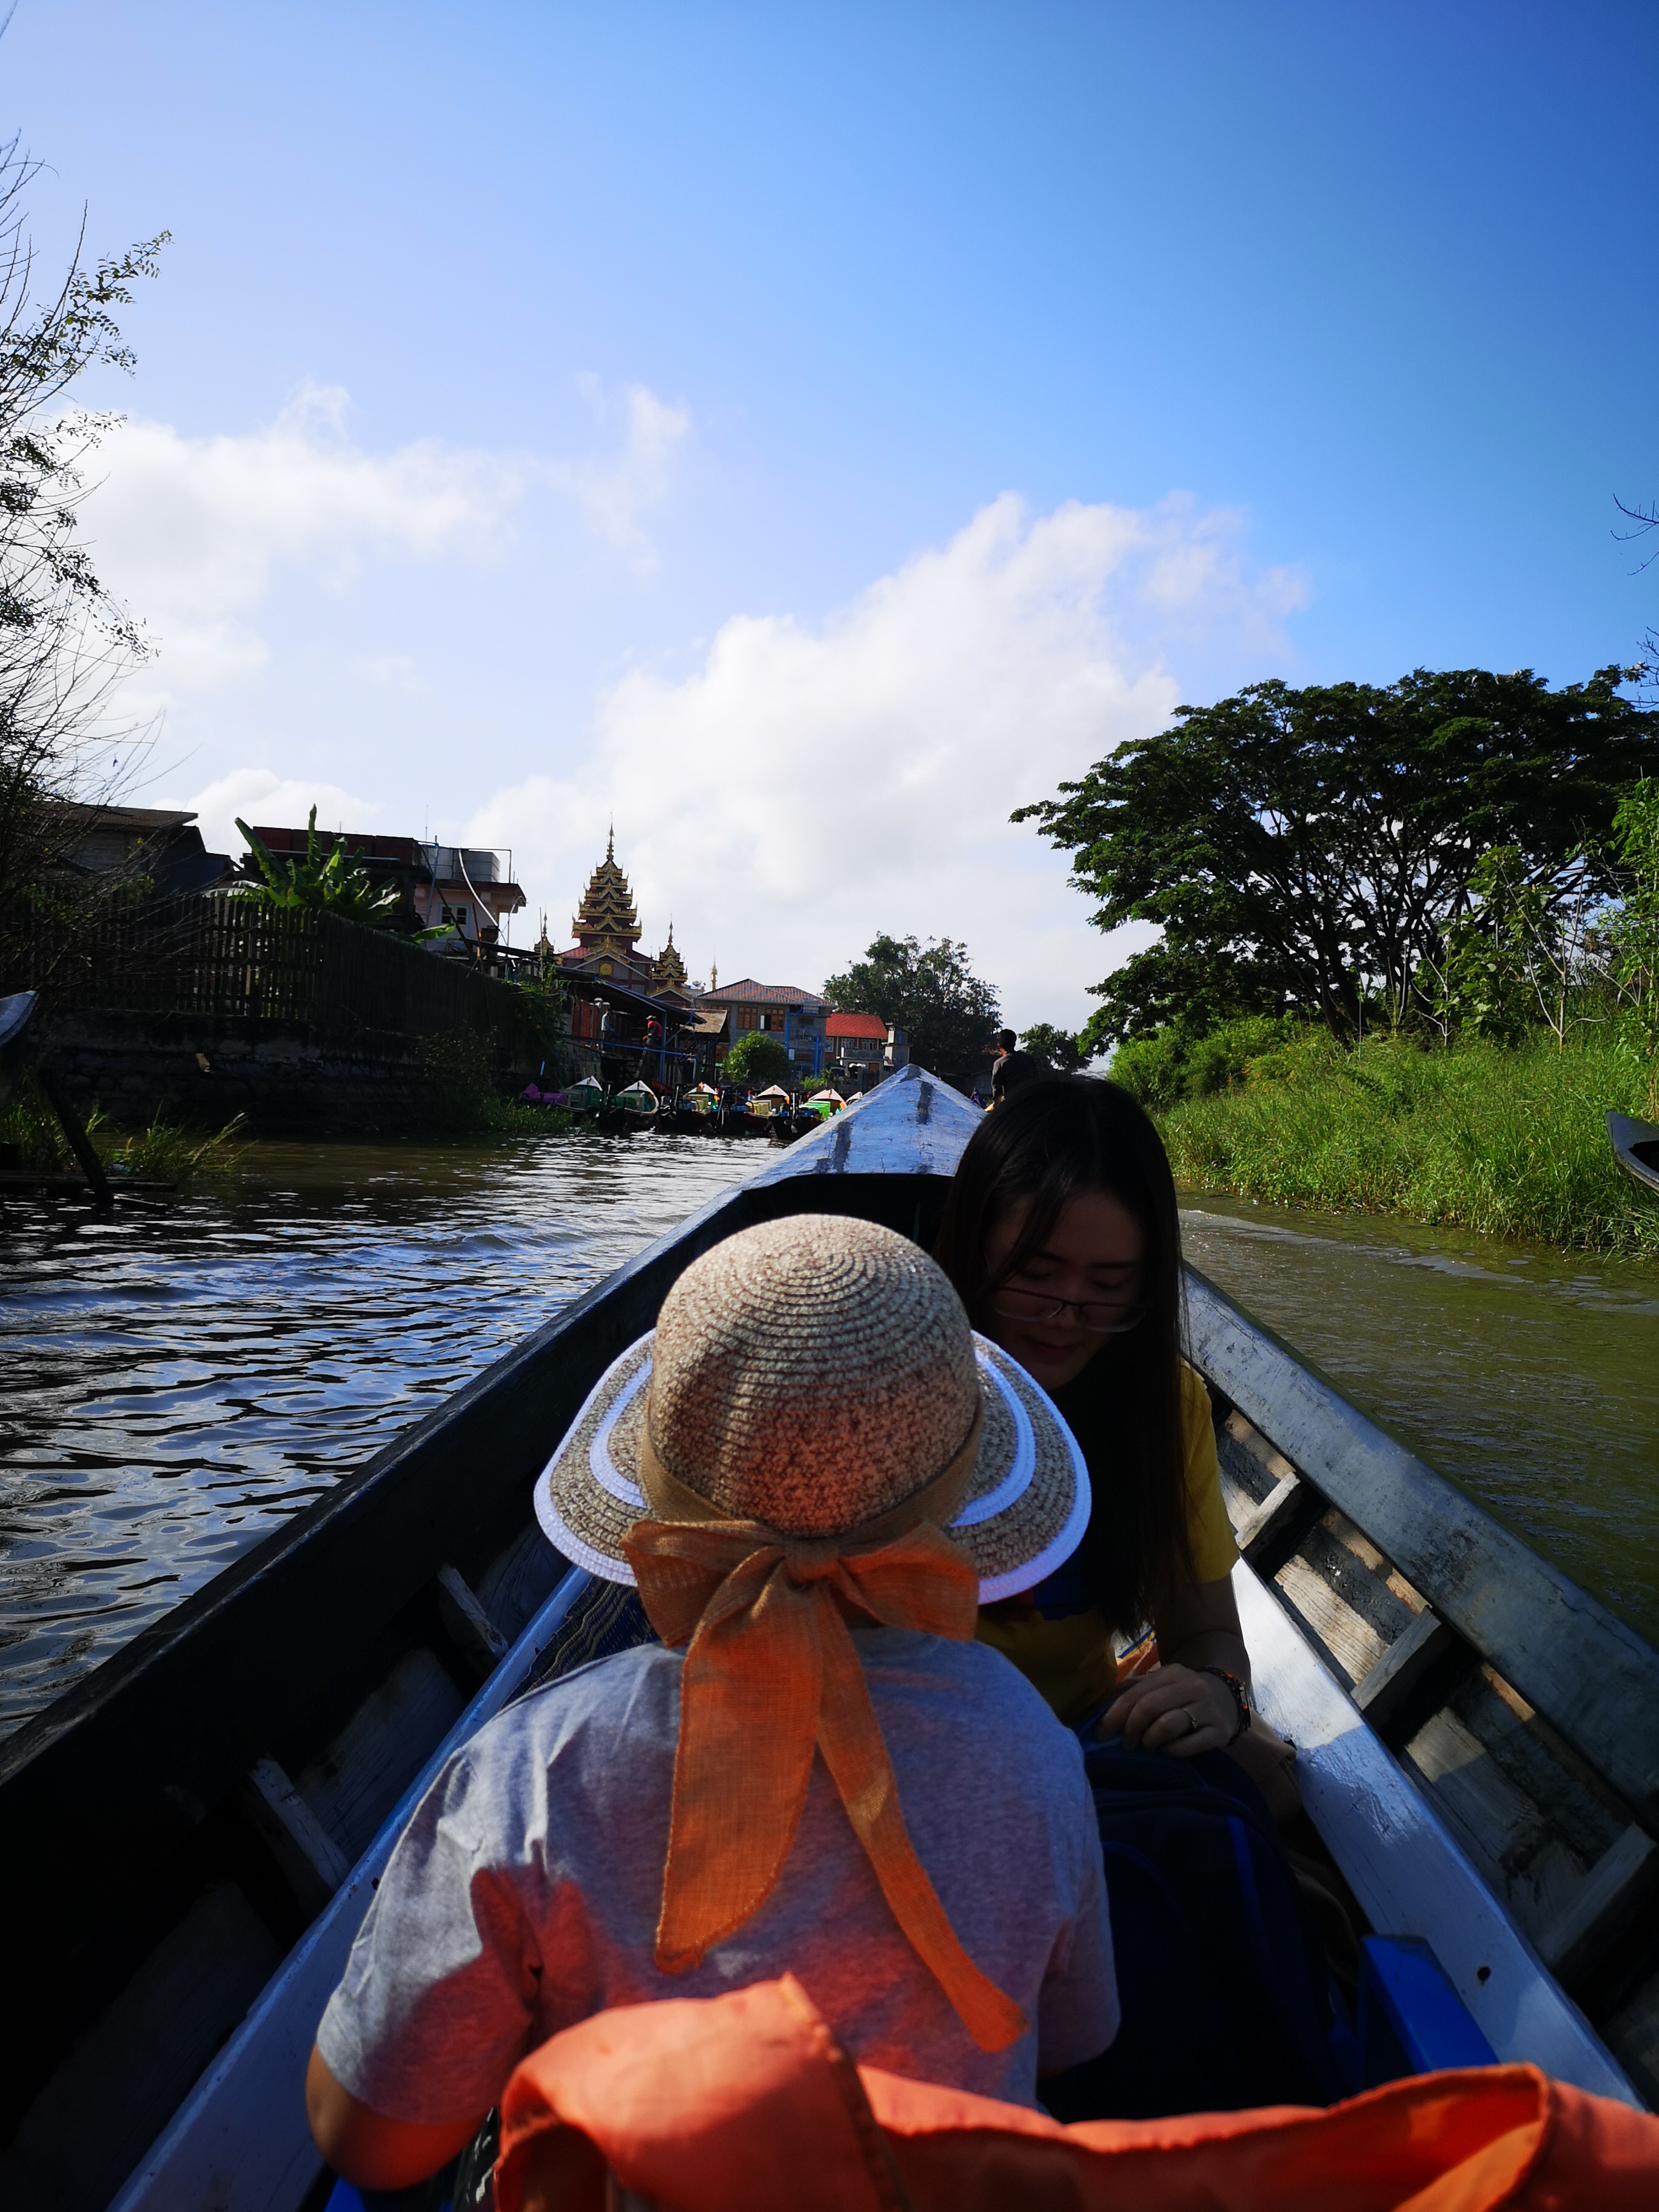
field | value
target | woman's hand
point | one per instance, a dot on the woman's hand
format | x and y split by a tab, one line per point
1173	1709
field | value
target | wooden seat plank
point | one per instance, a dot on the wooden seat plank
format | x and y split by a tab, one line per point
1410	1877
1582	1667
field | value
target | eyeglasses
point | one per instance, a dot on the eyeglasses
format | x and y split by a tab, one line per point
1099	1317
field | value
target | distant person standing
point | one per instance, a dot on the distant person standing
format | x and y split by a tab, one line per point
1001	1046
1014	1070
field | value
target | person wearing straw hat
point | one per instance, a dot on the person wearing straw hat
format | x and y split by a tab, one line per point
814	1473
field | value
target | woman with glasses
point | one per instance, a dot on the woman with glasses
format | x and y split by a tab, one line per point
1061	1235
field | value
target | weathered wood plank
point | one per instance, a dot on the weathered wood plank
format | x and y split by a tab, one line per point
313	1863
1602	1908
1591	1675
1263	1523
366	1769
1380	1693
1352	1642
466	1620
240	2141
1409	1874
84	2130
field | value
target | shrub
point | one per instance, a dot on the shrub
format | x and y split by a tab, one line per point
462	1099
756	1058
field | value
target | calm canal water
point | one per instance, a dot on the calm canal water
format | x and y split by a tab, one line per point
179	1378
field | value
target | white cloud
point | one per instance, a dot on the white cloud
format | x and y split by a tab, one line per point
614	493
261	798
192	532
811	784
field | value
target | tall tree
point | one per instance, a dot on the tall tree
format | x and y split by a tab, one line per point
1307	848
65	640
929	991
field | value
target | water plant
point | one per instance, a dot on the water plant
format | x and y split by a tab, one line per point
31	1136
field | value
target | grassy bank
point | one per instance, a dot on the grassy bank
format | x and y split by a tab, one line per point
1510	1142
31	1136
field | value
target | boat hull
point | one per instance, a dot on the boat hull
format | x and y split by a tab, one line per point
1636	1148
262	1740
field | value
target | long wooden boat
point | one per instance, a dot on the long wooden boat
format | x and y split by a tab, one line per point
1636	1148
190	1836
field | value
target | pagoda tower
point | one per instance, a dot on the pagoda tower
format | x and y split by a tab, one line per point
607	921
668	970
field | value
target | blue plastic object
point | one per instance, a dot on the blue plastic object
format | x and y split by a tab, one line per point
1411	2020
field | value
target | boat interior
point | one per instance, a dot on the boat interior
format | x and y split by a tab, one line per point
190	1834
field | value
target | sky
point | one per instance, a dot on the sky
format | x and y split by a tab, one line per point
801	436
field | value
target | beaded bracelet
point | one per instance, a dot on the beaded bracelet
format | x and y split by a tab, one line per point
1241	1697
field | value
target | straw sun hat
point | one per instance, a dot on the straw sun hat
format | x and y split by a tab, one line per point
814	1374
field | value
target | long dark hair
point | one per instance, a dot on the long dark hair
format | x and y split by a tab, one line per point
1040	1148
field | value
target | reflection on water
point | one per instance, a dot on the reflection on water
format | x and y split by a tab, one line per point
179	1378
1528	1376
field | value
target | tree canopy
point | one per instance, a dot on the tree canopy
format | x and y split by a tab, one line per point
1307	849
1056	1048
65	640
756	1058
930	992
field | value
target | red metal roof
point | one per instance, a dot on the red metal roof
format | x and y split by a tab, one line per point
770	994
857	1025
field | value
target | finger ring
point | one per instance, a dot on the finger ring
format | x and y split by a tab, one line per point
1192	1724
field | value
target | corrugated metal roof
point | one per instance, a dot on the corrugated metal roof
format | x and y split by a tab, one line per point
771	994
857	1025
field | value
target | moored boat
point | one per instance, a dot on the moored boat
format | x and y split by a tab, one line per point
1479	1740
586	1098
637	1105
1636	1148
697	1113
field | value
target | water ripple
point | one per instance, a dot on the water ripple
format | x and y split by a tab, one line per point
179	1379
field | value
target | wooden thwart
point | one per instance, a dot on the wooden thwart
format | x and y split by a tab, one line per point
1567	1654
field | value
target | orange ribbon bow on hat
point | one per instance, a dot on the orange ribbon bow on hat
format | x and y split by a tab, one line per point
771	1671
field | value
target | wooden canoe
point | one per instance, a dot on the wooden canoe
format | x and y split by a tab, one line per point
189	1837
1636	1148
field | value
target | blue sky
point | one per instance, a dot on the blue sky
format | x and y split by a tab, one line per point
806	432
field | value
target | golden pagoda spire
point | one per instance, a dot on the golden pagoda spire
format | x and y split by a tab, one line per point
607	921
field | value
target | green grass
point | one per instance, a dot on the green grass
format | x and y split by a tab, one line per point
164	1152
1510	1142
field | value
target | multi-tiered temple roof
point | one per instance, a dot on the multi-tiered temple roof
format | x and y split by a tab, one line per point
668	970
607	933
607	921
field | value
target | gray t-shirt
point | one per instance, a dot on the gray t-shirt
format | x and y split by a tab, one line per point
523	1894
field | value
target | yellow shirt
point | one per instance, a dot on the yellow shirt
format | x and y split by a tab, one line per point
1068	1656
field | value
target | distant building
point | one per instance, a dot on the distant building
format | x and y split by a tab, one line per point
441	886
470	889
159	845
794	1016
859	1041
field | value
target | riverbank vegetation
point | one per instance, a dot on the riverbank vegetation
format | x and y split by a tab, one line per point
1410	945
461	1098
1507	1140
32	1137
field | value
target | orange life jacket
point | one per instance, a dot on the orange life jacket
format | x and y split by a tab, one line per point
748	2099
